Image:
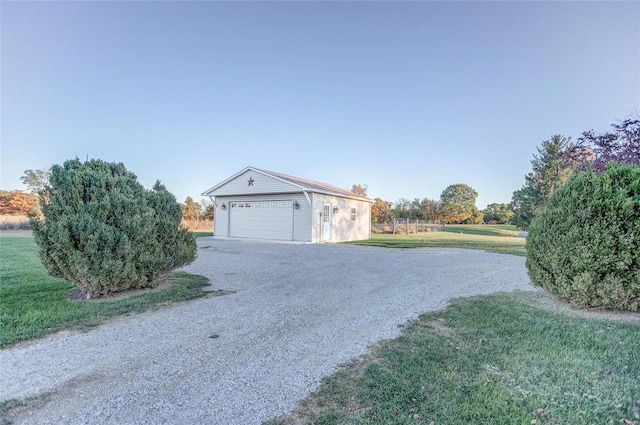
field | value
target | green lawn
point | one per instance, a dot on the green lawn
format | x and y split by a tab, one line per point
493	238
33	304
496	359
483	229
201	234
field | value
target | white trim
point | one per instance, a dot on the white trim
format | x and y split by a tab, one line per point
302	188
256	170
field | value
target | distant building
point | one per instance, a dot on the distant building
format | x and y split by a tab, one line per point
260	204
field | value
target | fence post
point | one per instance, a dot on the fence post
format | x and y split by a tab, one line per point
393	224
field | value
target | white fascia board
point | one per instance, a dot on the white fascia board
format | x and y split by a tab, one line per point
208	191
341	195
302	188
255	170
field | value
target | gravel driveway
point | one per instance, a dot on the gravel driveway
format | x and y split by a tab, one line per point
299	311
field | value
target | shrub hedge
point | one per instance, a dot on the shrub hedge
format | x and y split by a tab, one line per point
585	245
104	232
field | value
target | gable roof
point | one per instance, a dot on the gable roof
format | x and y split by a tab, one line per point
305	185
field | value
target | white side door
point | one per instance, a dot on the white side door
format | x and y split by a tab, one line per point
326	222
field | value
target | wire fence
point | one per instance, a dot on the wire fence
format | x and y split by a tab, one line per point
407	226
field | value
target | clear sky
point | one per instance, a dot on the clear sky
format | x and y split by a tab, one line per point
407	97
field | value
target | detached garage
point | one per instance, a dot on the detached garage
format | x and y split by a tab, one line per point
261	204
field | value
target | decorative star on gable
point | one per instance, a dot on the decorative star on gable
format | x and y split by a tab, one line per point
251	180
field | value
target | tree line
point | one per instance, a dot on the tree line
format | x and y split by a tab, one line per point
192	210
17	202
554	163
457	204
559	158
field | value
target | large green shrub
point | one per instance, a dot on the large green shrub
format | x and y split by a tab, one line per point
103	231
585	245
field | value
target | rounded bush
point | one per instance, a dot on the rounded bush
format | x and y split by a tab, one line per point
585	245
104	232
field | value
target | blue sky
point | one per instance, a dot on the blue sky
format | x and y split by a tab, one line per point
407	97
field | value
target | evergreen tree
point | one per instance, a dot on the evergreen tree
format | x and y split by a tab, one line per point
552	166
103	231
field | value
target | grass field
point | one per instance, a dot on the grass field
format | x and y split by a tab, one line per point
33	304
497	359
493	238
201	234
483	229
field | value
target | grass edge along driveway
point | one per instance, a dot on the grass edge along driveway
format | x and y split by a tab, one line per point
34	304
493	359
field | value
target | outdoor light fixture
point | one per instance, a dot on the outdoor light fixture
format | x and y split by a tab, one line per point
296	205
335	210
223	206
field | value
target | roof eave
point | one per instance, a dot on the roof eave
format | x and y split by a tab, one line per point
342	195
302	188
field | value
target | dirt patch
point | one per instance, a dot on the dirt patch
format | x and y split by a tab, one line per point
217	292
550	302
440	327
77	294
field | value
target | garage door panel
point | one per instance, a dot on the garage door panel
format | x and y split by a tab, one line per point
263	219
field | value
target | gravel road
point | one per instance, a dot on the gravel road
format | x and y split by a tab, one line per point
299	311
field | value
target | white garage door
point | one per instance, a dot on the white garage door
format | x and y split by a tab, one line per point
261	219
